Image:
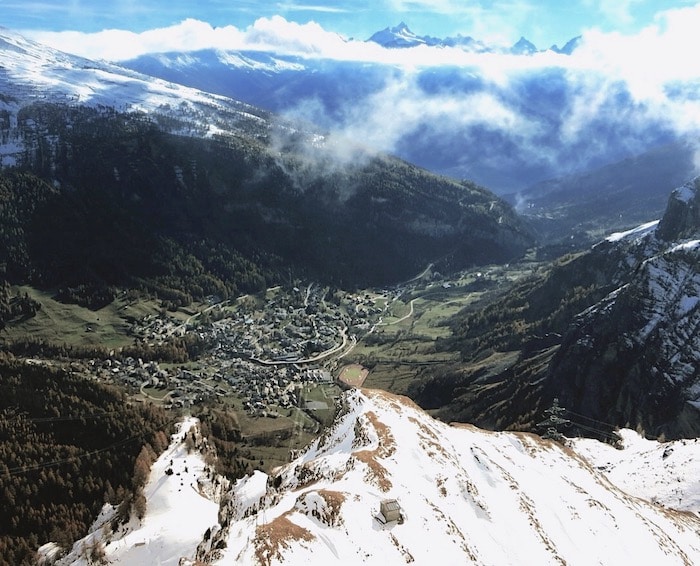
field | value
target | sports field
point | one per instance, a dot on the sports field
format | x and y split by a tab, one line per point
353	375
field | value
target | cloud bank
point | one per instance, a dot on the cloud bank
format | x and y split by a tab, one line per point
616	94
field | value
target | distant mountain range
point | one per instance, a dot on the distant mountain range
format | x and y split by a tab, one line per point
581	209
401	36
467	118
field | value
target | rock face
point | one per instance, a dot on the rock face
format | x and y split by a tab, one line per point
634	358
682	217
611	333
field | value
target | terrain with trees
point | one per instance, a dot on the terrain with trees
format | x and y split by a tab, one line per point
67	446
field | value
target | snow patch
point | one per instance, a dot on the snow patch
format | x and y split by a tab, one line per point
689	246
638	232
665	473
179	512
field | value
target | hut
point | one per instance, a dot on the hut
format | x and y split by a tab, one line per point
390	510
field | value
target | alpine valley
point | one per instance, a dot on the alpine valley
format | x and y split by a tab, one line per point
232	336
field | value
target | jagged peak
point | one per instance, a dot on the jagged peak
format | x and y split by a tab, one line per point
688	191
569	47
523	47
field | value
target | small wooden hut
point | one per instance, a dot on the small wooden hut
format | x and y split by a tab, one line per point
390	510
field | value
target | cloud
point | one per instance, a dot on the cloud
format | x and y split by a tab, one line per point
274	34
618	12
283	7
612	95
402	106
648	63
119	45
619	94
267	34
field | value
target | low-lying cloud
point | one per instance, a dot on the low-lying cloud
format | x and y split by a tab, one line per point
615	94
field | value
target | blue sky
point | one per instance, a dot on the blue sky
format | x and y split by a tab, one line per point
544	22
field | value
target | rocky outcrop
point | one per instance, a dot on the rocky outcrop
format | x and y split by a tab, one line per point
634	358
613	334
682	216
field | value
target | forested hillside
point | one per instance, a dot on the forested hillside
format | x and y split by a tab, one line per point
67	446
104	199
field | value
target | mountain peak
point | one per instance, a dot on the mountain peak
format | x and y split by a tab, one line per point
682	216
523	47
400	36
569	47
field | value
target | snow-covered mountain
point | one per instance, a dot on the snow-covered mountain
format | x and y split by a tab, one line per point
661	472
34	72
31	73
635	356
182	503
387	484
401	36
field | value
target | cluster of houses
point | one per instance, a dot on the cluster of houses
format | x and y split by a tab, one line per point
264	356
292	327
178	387
260	387
132	373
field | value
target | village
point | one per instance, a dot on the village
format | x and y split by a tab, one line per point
262	351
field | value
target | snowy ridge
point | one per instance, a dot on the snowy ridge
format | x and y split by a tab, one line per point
30	72
466	496
252	61
634	233
262	62
666	473
182	504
